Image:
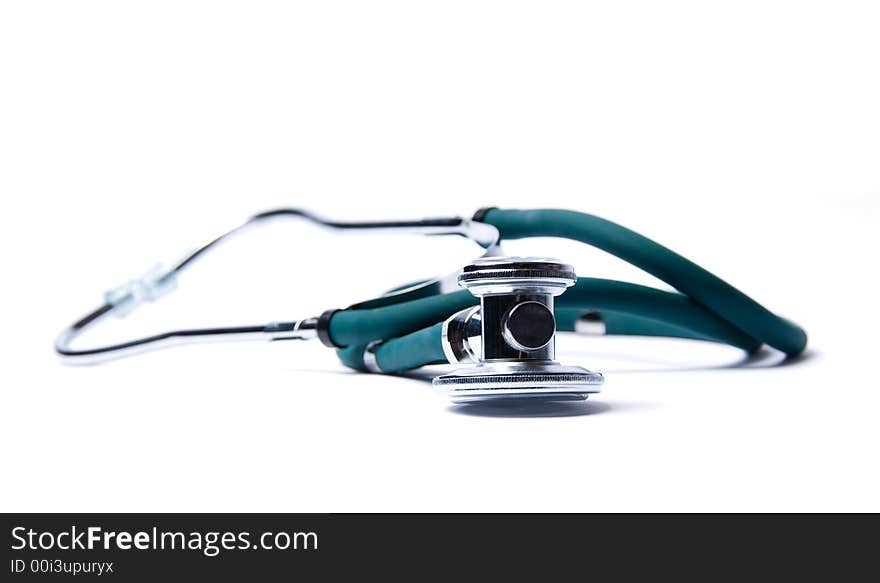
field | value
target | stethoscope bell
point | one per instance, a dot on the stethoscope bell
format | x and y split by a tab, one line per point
511	335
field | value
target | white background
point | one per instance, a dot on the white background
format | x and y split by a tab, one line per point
745	135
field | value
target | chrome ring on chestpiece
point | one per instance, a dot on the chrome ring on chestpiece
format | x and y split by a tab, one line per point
516	342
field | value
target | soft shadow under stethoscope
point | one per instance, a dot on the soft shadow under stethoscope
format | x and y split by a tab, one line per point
524	408
537	408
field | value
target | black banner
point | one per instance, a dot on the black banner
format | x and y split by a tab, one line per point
145	547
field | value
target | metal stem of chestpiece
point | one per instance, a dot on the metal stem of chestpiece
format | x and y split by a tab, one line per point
511	335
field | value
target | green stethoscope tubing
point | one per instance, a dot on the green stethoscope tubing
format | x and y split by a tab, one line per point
626	309
684	275
707	308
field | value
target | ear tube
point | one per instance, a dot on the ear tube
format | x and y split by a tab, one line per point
419	348
625	308
703	287
409	334
613	323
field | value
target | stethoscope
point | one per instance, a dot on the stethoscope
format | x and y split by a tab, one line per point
503	323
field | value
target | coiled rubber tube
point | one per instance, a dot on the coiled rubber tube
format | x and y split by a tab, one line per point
626	307
359	327
623	324
351	327
654	305
425	346
413	350
682	274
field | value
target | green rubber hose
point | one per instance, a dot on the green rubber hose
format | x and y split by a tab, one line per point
682	274
425	346
359	327
411	351
663	307
623	324
627	308
404	293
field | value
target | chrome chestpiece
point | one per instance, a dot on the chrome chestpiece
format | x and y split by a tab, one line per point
511	334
